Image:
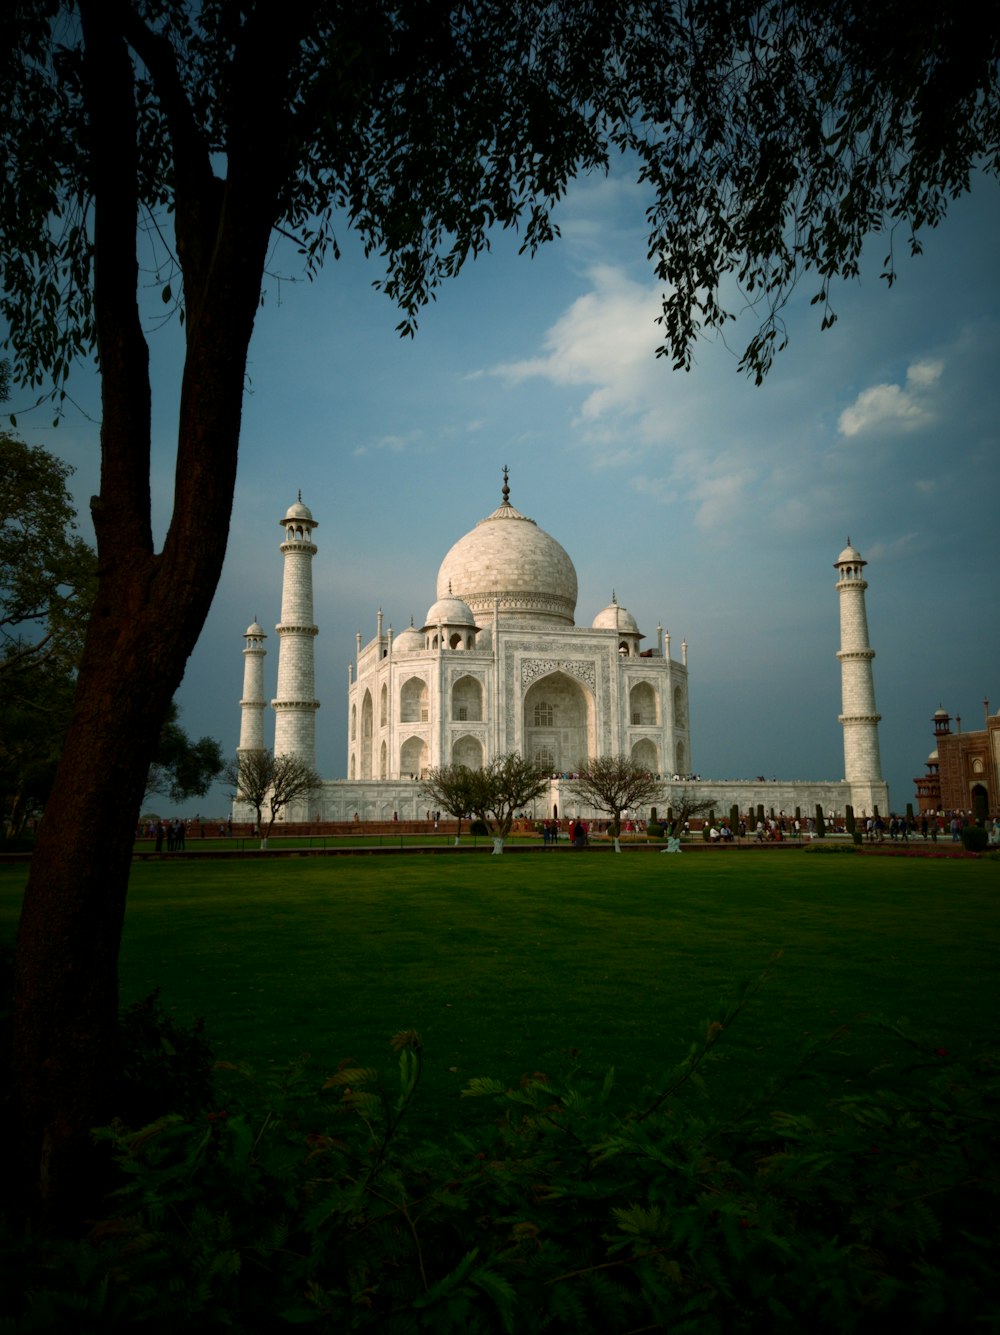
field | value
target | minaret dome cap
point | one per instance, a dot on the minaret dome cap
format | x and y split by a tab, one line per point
850	556
299	512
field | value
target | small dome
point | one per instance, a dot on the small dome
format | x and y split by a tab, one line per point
850	556
408	641
449	611
942	714
255	629
933	758
617	618
298	511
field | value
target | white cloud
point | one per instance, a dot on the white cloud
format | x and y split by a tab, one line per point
894	407
606	338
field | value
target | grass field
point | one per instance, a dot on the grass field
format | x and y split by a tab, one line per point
508	965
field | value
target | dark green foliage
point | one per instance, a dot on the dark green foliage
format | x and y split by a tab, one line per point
849	822
479	827
654	829
182	768
165	1066
48	574
308	1202
975	839
820	823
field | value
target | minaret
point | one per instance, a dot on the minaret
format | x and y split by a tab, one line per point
253	702
295	704
862	763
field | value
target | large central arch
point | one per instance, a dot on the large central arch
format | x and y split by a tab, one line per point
558	722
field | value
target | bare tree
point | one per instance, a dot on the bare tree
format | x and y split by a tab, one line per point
615	784
508	783
269	782
454	789
683	806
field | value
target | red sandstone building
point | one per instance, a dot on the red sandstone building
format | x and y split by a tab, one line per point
963	771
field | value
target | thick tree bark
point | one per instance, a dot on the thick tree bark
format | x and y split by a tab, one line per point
148	613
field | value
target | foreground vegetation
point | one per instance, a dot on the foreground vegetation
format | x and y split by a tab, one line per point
784	1158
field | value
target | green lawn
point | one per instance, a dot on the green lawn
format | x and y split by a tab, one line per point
506	965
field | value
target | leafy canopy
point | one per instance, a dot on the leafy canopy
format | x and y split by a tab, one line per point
774	138
183	768
48	573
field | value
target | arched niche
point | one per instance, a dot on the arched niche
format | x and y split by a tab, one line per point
643	705
367	735
413	757
644	753
680	708
467	700
558	717
468	751
413	701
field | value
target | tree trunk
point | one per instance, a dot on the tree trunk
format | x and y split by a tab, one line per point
147	616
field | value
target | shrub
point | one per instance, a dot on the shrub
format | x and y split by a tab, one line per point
479	827
654	830
975	839
568	1212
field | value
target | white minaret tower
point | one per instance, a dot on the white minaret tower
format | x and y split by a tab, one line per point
295	704
862	763
253	702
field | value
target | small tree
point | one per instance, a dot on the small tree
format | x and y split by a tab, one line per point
508	783
615	784
454	788
264	780
686	808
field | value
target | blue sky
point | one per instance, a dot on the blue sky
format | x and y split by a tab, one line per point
707	503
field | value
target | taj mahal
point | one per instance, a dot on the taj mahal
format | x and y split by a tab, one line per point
499	664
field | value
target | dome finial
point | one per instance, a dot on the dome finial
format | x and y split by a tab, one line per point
505	491
614	597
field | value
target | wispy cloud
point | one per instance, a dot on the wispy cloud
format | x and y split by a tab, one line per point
393	444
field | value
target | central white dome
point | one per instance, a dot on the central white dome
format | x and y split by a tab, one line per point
508	559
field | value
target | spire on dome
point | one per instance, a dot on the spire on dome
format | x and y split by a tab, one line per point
505	489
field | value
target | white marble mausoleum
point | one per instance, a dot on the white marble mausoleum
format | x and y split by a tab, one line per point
499	664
